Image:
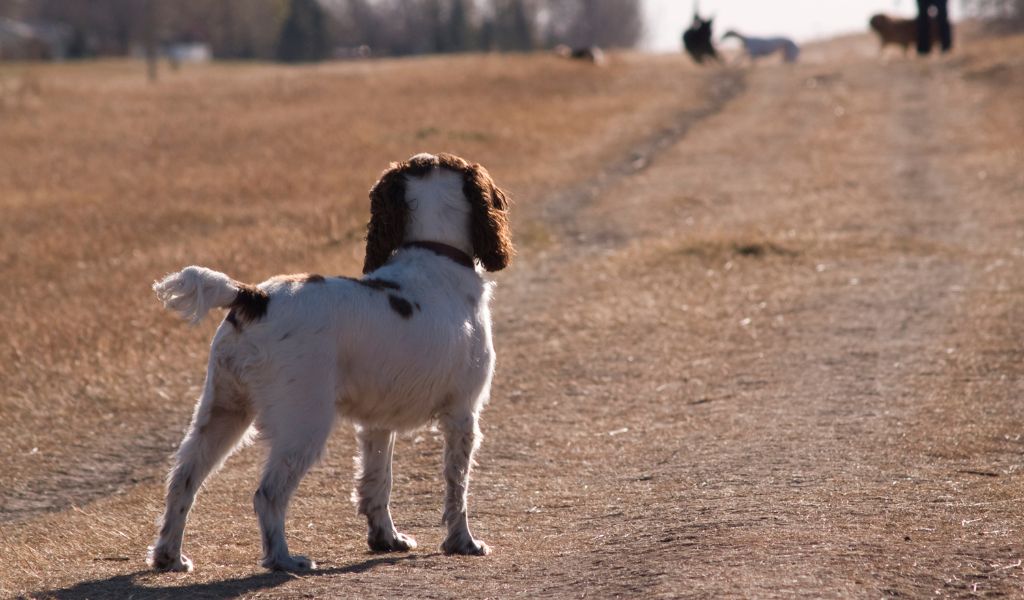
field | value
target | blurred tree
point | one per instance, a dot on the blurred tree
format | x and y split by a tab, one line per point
997	9
304	33
459	27
78	46
233	28
514	24
150	34
112	26
487	37
10	9
303	30
604	23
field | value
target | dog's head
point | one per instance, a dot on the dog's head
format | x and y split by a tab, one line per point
392	209
879	22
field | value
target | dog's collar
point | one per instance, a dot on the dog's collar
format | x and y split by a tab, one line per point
449	252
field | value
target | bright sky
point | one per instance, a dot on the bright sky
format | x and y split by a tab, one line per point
799	19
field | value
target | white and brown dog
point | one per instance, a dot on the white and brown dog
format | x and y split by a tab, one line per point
408	343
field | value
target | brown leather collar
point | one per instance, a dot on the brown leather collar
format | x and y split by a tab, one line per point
450	252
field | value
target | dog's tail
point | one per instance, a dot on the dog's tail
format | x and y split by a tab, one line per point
193	291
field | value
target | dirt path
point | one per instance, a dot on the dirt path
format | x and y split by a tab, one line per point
831	420
777	355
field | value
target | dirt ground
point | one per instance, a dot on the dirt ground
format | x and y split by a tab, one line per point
764	337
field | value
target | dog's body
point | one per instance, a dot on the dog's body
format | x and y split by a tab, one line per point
407	344
755	47
590	54
897	31
698	40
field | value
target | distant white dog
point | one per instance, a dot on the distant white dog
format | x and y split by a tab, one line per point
408	343
760	47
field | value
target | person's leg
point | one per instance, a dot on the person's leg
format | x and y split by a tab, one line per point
924	27
945	29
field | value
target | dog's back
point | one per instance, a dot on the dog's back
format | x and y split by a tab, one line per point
757	47
898	31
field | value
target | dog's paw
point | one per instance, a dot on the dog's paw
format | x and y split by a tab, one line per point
294	564
465	545
160	560
390	541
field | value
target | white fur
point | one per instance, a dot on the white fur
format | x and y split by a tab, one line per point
194	291
761	47
338	347
438	210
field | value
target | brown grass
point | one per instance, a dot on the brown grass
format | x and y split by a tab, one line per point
106	183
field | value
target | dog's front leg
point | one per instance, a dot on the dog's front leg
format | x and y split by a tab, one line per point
462	436
373	491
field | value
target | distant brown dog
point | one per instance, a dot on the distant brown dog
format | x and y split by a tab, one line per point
899	32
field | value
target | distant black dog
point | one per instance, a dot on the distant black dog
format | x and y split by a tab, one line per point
697	40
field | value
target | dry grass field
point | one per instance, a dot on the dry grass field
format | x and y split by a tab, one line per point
764	337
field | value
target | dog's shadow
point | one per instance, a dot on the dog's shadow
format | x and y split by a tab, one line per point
127	585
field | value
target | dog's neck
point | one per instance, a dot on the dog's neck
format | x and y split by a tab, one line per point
438	210
450	252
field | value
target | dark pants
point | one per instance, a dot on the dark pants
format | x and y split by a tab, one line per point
924	26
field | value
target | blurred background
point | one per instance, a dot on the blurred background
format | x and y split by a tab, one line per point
312	30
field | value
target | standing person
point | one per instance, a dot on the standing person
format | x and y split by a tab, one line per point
924	25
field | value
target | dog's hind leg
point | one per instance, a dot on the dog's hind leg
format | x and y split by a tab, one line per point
373	491
297	427
218	425
462	436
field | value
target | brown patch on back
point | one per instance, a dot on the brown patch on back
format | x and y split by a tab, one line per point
400	306
299	278
249	305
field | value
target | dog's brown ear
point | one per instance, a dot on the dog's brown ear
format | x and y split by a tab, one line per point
491	235
388	215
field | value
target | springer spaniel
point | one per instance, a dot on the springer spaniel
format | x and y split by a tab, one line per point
408	343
